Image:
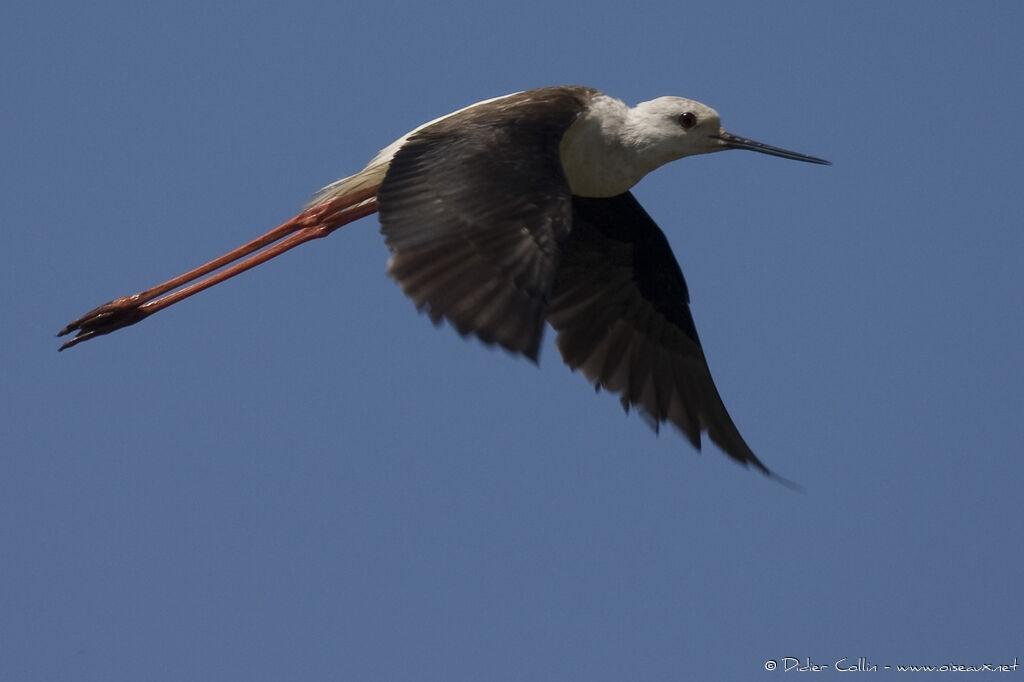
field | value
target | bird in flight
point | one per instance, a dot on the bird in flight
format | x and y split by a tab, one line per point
515	212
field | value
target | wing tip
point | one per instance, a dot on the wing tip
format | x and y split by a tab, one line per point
752	461
788	483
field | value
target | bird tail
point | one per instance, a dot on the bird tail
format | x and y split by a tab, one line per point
371	176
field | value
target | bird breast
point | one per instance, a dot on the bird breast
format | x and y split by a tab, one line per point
596	154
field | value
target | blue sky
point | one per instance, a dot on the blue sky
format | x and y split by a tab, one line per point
296	476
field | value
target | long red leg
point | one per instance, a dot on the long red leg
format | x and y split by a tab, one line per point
318	221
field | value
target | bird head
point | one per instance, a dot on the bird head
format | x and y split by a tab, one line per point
669	128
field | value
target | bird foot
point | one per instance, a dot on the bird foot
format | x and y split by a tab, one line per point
121	312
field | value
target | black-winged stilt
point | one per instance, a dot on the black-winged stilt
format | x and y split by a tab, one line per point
516	211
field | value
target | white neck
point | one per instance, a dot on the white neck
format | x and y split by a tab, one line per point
604	152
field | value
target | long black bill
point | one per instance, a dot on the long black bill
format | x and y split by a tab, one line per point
733	142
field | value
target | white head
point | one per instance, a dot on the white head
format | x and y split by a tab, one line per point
612	146
669	128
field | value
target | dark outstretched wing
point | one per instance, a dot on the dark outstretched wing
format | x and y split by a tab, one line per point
621	309
474	208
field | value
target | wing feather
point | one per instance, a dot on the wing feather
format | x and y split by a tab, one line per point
475	208
621	309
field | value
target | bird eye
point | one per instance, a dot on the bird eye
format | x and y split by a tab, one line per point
687	120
